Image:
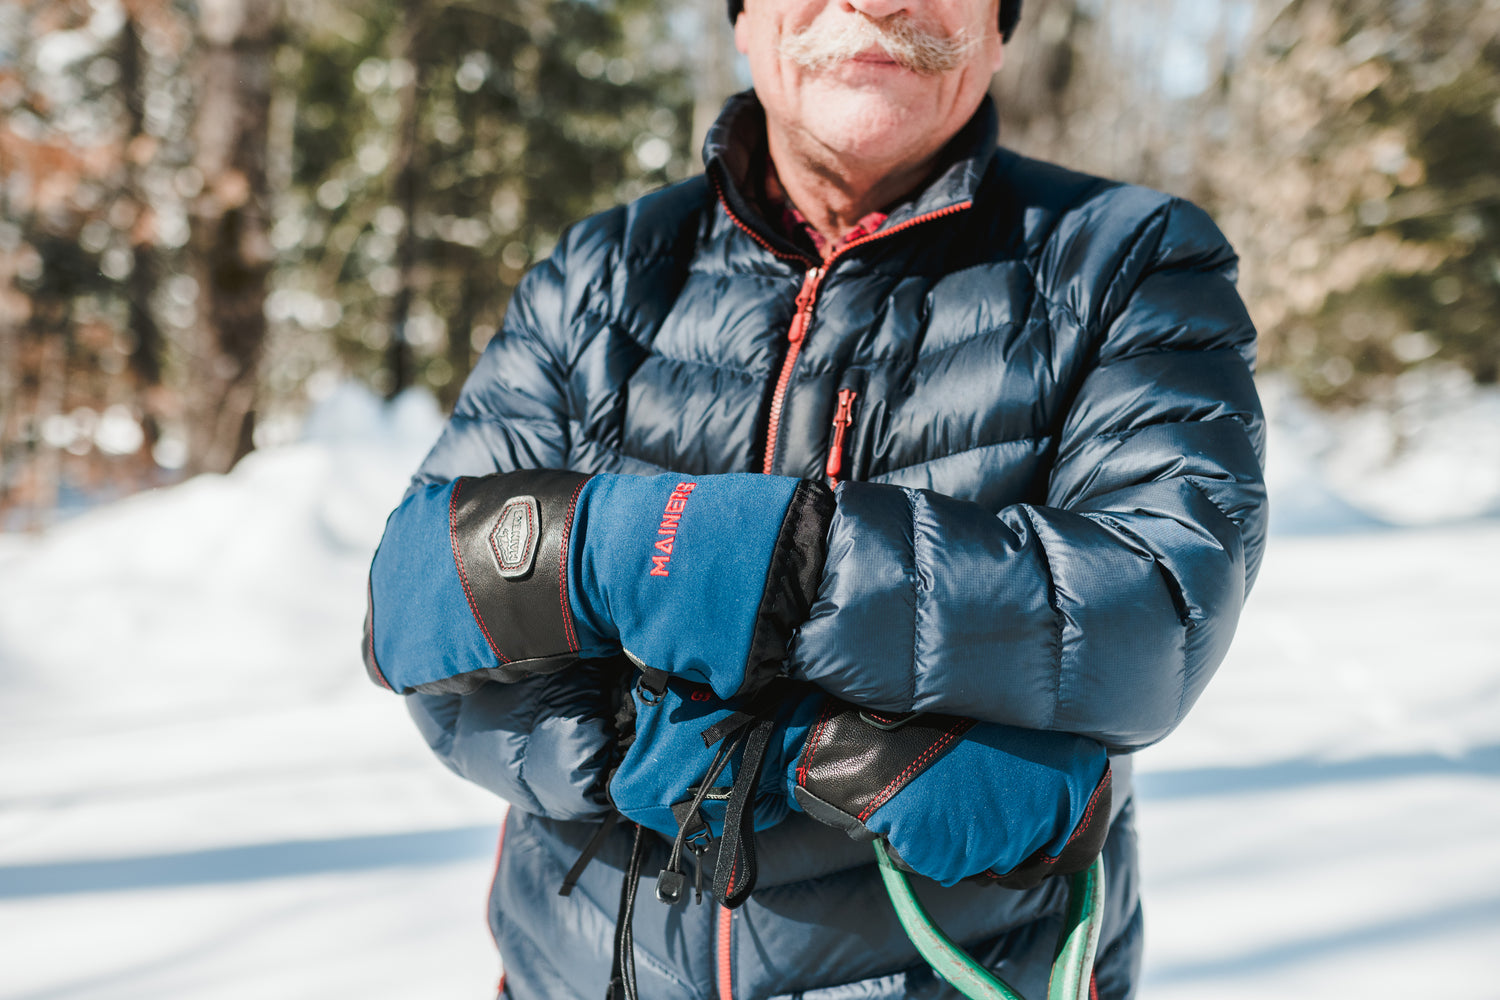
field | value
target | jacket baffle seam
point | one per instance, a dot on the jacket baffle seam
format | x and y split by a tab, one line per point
1158	221
916	602
1055	603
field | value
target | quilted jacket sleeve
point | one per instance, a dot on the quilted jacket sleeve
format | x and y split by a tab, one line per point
541	744
1104	611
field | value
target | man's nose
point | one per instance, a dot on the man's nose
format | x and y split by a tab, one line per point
879	9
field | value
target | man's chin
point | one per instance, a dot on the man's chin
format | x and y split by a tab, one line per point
863	122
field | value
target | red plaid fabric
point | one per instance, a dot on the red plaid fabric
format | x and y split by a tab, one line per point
792	220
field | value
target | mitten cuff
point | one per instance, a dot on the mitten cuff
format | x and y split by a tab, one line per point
792	580
1080	850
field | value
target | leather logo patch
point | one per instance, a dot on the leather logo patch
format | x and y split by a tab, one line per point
513	540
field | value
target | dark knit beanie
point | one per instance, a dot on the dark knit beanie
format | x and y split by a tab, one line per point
1010	13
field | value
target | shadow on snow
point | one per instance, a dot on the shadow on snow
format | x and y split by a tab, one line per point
1406	930
285	859
1206	781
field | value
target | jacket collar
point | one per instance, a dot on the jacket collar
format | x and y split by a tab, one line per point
735	148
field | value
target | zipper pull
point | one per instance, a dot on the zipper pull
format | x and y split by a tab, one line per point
698	849
804	302
843	417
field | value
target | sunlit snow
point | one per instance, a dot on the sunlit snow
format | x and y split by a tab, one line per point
201	795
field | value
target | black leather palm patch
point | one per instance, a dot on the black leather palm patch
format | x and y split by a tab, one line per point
509	534
850	768
791	582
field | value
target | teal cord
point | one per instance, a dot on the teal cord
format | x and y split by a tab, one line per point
1073	967
1077	945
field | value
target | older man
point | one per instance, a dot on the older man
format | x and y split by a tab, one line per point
880	483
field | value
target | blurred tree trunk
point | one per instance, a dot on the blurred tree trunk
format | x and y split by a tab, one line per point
14	307
714	76
460	350
1041	63
406	164
230	249
1081	86
145	360
51	322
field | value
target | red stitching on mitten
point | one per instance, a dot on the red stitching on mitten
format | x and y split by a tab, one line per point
562	571
463	576
812	743
1088	814
954	732
1083	824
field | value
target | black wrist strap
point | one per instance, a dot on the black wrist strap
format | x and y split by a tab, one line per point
737	870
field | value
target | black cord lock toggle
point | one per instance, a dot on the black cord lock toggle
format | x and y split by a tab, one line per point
669	886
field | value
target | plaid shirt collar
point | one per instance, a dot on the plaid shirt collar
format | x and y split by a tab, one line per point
794	222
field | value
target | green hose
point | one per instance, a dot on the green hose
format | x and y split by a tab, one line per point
1073	967
1075	950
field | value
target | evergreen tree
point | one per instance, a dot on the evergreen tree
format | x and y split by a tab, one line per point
1359	181
206	205
442	147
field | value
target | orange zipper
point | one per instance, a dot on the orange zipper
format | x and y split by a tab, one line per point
794	336
726	974
806	299
842	418
801	320
724	203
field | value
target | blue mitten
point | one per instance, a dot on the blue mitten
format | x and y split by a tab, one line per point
954	798
506	576
701	769
669	758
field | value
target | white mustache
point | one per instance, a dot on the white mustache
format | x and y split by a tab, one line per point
824	44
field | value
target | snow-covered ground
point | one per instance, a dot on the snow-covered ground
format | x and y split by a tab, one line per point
201	796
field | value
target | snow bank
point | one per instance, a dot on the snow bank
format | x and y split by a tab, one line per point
1432	457
203	794
202	797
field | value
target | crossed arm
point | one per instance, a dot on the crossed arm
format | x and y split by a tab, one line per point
1102	612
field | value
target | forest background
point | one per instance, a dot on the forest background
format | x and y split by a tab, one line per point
237	226
212	212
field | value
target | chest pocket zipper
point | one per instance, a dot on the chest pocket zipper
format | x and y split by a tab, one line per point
842	463
843	417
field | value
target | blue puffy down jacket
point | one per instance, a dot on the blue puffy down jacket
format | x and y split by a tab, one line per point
1033	388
